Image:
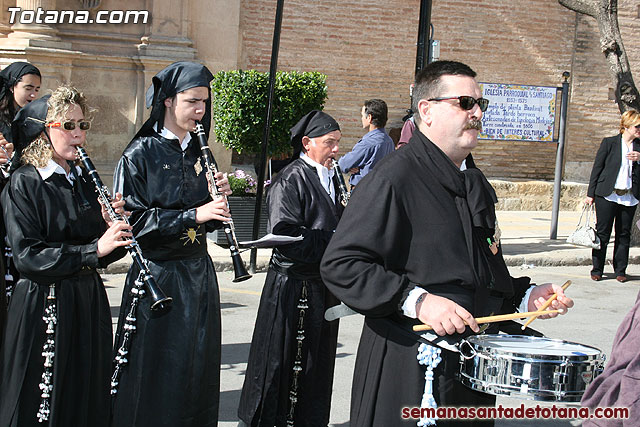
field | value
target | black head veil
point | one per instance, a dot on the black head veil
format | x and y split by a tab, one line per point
313	124
27	125
12	73
174	79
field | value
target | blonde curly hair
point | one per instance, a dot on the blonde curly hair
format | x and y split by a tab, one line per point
62	100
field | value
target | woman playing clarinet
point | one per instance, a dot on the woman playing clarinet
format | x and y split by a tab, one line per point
56	355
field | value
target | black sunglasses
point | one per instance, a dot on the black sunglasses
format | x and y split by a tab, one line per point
83	125
466	102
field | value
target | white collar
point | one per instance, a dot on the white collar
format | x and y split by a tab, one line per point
324	174
320	168
166	133
53	167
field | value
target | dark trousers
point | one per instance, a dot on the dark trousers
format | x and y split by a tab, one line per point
607	212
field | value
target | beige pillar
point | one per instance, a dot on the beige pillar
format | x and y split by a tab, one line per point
33	30
166	36
4	18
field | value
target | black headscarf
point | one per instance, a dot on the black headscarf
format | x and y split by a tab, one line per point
175	78
27	125
14	72
313	124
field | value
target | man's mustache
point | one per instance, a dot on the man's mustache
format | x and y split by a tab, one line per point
474	124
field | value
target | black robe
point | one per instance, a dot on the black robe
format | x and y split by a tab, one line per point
54	238
3	283
298	206
409	224
173	375
5	130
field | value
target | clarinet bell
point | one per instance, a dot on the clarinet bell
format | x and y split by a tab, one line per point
160	302
239	270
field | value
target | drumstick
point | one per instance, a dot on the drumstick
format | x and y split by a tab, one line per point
498	318
547	303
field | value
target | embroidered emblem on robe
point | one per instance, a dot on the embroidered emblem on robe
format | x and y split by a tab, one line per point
197	167
191	235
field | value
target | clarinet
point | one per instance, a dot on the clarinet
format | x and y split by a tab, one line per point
50	318
344	193
159	301
229	230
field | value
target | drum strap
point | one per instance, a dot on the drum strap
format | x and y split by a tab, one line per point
429	338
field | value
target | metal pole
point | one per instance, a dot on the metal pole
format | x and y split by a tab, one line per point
557	182
422	54
275	48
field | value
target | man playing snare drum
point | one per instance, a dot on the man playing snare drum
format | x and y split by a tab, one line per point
426	251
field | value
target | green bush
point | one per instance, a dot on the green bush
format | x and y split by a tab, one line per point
239	102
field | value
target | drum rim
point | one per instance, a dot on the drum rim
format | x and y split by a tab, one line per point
477	342
498	389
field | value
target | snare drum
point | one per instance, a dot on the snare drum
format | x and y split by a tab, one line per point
529	367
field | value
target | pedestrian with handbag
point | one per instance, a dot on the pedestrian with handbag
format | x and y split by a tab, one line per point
614	186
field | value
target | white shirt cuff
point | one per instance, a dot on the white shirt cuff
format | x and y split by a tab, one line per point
409	306
524	305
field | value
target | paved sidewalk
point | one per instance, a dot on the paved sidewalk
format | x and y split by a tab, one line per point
525	240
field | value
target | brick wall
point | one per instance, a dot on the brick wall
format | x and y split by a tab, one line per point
521	41
367	49
592	115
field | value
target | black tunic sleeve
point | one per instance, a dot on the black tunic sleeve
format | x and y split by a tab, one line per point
286	201
35	257
149	222
362	265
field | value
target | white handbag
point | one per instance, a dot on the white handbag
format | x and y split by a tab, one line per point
585	234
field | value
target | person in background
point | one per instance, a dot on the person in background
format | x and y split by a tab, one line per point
19	85
614	187
618	386
373	146
408	128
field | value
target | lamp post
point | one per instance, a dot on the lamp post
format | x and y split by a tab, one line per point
557	182
422	53
275	48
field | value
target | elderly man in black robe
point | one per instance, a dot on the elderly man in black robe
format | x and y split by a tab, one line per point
172	377
420	247
290	371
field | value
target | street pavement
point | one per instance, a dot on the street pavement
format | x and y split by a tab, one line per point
600	306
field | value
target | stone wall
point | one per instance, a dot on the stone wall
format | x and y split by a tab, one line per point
527	195
113	64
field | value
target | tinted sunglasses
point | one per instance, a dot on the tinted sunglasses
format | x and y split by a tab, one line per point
83	125
466	102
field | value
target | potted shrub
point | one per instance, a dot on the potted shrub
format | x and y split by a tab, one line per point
242	204
239	101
